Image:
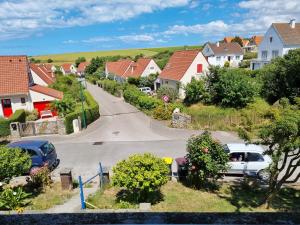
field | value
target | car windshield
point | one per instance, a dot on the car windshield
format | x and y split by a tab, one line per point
47	148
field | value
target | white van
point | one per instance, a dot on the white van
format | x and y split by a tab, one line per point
248	159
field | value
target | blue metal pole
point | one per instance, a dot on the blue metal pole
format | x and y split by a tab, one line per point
81	193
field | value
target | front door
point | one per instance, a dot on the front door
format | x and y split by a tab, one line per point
6	106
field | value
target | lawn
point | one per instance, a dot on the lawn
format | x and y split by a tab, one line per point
49	197
59	59
176	197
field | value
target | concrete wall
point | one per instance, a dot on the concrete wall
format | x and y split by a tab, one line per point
152	67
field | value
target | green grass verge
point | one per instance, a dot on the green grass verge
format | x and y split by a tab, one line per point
49	198
229	198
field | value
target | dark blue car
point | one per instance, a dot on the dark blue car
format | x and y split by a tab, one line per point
42	152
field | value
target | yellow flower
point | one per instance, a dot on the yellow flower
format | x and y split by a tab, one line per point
168	160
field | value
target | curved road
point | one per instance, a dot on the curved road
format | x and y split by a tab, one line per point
122	130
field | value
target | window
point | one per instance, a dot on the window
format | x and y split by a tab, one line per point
199	68
218	58
166	82
237	57
6	103
264	54
23	100
237	157
275	54
254	157
271	39
152	68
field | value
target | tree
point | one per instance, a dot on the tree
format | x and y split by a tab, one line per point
13	162
49	61
141	174
238	40
133	81
79	60
206	159
195	91
148	81
281	78
94	65
141	55
282	138
234	88
64	106
172	93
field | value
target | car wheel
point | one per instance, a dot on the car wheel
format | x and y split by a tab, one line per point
264	175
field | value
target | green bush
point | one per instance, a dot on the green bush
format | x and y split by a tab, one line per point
195	91
133	81
13	162
13	199
164	112
32	115
112	87
206	159
250	55
148	103
40	177
141	174
91	113
18	116
168	91
131	94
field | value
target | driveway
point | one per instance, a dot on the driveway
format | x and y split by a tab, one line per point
122	130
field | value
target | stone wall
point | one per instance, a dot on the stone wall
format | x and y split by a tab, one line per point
282	218
180	120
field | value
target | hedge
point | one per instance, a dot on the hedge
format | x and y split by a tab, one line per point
91	113
111	87
18	116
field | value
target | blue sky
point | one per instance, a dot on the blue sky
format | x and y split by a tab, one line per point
57	26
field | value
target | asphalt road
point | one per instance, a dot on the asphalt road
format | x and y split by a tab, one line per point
122	130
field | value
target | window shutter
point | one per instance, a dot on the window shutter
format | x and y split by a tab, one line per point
199	68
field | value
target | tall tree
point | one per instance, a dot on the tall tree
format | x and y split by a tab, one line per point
238	40
79	60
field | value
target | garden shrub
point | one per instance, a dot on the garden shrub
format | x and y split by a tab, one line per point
13	162
206	159
18	116
172	93
112	87
195	91
32	115
13	199
142	175
165	111
148	103
40	177
131	94
91	113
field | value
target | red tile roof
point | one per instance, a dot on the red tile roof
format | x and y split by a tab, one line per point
226	48
136	69
14	78
289	35
118	68
43	72
257	39
66	67
82	66
245	42
47	91
228	39
178	64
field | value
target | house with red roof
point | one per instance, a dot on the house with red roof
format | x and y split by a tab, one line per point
68	68
81	68
18	89
42	74
123	69
181	68
220	53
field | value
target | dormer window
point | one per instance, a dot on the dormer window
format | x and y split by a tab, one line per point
271	39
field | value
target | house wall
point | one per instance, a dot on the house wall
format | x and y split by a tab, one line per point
16	103
39	97
73	69
192	72
37	79
152	67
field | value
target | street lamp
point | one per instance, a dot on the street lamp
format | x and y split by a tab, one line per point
82	106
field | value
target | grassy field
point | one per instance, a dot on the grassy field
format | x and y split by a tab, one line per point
176	197
71	57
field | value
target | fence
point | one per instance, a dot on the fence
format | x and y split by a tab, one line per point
103	179
33	128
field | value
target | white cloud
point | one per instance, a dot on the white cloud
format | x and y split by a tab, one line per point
27	16
259	16
136	38
149	26
194	4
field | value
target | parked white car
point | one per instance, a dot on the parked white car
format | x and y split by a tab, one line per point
146	90
248	159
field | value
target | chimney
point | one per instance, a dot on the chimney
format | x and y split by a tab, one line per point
292	23
218	44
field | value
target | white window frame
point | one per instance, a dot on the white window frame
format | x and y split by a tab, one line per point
275	55
218	58
266	54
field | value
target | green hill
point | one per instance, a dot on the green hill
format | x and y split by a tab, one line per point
71	57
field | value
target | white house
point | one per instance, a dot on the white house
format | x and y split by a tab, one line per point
68	68
18	90
278	40
219	53
181	68
123	69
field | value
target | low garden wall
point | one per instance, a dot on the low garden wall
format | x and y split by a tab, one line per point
151	218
